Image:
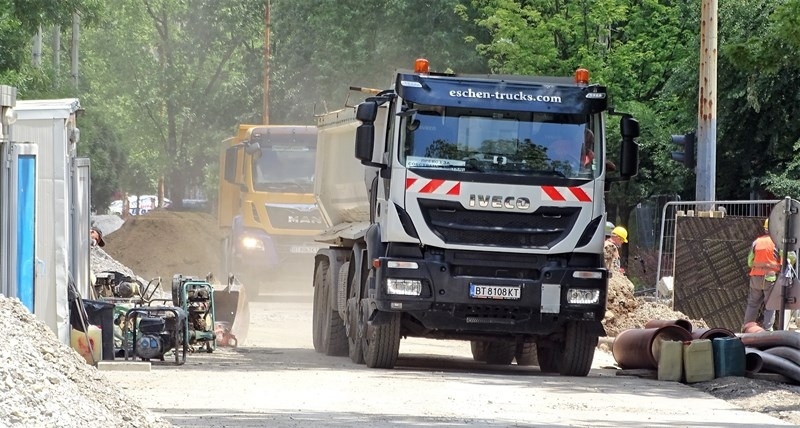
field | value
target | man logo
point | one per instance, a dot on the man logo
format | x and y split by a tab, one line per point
499	202
304	219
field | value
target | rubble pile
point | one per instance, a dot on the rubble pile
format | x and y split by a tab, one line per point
44	383
625	311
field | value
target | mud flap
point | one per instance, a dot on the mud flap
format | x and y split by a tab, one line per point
231	313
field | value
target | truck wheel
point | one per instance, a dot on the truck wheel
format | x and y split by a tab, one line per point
500	353
334	337
381	343
578	353
355	329
548	358
526	354
478	350
318	309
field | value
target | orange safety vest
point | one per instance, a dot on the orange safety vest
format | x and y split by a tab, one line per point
765	257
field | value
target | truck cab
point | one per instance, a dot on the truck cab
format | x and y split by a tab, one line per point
487	214
266	205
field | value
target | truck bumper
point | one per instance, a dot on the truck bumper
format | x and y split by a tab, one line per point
513	306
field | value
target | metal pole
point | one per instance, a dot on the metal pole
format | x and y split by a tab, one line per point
707	105
76	32
266	63
788	238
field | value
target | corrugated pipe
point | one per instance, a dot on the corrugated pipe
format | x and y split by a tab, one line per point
770	339
640	348
685	324
776	364
753	363
712	333
790	354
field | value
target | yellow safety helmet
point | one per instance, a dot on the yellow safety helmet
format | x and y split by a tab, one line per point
621	232
766	224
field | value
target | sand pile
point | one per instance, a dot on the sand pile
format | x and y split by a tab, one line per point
164	243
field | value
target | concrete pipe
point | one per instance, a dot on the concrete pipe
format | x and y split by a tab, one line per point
640	348
790	354
753	363
685	324
776	364
712	333
770	339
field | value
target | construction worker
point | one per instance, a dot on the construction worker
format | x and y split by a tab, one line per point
764	261
618	236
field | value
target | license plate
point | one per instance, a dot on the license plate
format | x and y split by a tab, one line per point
302	249
500	292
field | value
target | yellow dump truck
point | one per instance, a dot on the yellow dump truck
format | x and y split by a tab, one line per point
266	206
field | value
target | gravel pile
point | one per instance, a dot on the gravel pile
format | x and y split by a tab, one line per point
44	383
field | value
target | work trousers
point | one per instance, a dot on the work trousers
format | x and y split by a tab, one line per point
756	298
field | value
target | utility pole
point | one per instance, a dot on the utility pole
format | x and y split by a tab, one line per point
76	33
266	63
707	105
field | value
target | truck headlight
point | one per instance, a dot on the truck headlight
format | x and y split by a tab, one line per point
583	296
405	287
251	243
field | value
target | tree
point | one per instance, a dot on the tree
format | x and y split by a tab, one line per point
186	79
759	132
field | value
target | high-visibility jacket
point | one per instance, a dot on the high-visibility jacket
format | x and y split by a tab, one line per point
764	258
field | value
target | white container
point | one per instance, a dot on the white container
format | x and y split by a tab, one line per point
91	351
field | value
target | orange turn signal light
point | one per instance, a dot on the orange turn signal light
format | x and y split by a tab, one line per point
421	65
582	76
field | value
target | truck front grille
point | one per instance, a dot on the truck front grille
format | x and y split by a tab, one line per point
295	216
454	224
488	314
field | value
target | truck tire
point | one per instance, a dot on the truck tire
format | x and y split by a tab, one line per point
548	358
381	343
334	337
355	323
526	354
578	352
317	310
478	350
500	353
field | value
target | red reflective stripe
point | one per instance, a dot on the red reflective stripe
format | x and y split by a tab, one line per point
456	190
580	194
553	193
410	182
431	186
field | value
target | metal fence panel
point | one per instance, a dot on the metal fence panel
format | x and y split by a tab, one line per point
666	247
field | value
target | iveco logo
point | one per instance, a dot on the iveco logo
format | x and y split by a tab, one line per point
507	202
304	219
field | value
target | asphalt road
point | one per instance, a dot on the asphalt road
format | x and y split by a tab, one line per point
276	379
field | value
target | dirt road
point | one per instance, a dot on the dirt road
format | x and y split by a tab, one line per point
278	380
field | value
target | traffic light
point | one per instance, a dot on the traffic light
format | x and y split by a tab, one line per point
685	156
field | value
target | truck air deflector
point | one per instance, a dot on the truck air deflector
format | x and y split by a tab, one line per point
454	224
501	95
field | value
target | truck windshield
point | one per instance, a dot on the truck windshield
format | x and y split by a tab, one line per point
500	142
284	169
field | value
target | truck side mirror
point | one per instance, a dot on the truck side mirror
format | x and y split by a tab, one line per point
365	143
231	163
367	111
629	152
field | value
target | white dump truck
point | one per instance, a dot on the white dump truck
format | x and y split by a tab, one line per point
470	208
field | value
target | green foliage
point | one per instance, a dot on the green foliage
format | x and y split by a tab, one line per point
758	128
358	43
